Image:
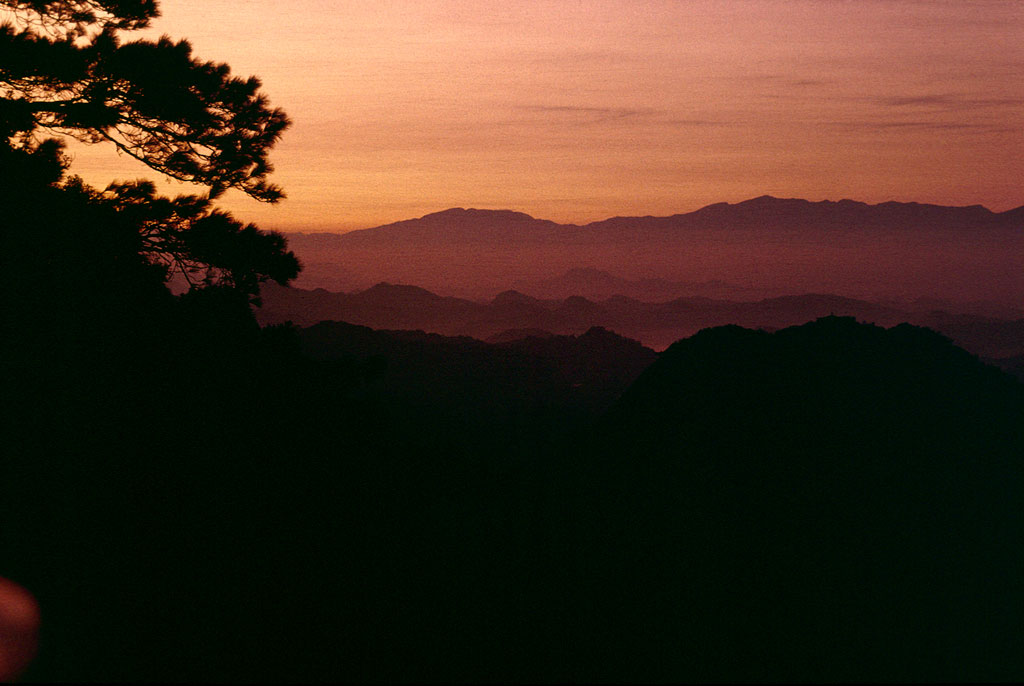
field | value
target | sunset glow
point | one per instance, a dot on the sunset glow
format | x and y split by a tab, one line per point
577	111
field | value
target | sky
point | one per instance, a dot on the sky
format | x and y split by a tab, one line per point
577	111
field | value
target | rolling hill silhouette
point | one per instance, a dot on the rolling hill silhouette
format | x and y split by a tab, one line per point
388	306
461	375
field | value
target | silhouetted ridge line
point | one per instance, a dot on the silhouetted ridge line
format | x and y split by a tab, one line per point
385	289
1016	214
471	213
763	203
772	205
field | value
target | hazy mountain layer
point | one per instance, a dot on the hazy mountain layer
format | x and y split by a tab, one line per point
387	306
890	250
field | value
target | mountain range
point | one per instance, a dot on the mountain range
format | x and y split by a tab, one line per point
888	250
764	212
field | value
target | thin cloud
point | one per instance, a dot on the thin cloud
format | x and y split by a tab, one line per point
699	123
949	101
920	126
783	80
650	116
594	114
916	100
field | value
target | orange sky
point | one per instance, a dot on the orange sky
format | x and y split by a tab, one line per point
577	110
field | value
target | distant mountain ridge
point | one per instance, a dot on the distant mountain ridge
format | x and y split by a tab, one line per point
754	208
458	223
888	250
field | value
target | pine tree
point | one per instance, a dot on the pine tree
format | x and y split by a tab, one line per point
64	69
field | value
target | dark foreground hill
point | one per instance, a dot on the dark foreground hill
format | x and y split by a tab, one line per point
831	502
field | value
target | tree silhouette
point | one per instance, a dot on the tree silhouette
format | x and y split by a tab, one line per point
64	69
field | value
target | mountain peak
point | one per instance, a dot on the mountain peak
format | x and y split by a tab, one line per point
462	213
760	203
403	291
768	200
512	297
